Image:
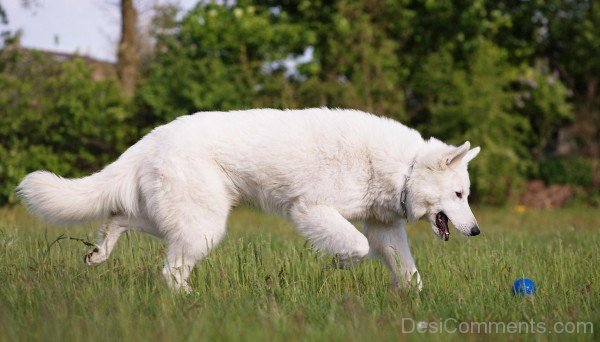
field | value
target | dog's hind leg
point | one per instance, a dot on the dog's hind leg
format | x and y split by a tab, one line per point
329	231
389	243
198	231
108	234
190	209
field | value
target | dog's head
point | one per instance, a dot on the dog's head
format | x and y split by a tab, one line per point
438	188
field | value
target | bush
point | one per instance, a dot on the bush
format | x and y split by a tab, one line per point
473	101
508	110
542	98
567	170
55	117
215	60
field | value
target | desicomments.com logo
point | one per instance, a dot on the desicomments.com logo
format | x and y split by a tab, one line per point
453	326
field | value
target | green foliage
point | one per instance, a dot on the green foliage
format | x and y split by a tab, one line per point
511	111
55	118
497	73
214	61
232	57
354	63
567	170
474	103
564	31
543	100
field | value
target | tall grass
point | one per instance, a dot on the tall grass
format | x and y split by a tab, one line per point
264	283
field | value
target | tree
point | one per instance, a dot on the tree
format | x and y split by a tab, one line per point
354	62
443	67
218	58
475	103
564	34
543	99
127	64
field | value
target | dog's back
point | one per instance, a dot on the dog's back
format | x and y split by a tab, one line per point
268	157
271	157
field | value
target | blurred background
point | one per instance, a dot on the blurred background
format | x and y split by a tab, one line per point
80	81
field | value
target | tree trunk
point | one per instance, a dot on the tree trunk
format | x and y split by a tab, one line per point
127	63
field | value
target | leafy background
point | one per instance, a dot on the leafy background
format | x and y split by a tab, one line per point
506	75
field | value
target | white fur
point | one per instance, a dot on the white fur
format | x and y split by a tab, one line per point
321	168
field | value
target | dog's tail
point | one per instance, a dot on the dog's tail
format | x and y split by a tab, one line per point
66	201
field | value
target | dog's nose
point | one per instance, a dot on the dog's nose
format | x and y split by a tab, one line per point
475	231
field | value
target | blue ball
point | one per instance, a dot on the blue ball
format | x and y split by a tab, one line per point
524	287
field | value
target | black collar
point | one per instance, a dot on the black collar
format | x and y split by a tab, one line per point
404	192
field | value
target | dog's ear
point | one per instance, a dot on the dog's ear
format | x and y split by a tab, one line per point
455	154
472	154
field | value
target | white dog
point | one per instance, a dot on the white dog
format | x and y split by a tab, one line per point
321	168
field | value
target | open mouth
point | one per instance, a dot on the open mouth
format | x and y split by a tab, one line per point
441	222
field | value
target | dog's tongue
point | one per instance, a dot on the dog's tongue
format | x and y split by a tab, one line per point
441	221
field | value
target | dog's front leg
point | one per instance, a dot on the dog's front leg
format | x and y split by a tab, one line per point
389	243
329	231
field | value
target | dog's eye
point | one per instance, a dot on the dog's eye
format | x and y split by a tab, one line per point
458	194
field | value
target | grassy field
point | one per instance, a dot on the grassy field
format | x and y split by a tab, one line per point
265	283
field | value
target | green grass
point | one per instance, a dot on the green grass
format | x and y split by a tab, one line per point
264	283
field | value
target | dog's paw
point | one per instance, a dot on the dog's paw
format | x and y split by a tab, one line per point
185	288
181	287
95	256
413	280
419	282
